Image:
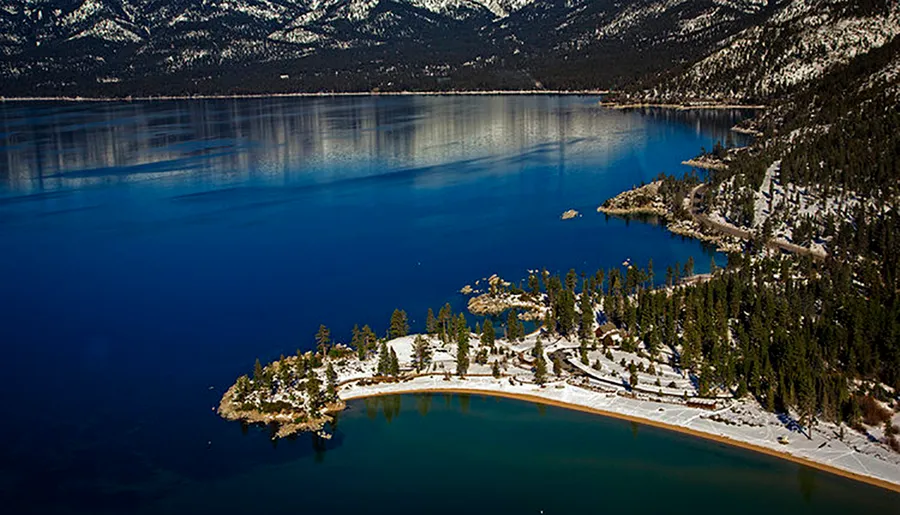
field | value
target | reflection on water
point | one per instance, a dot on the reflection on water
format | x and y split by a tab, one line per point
215	143
465	400
388	405
423	403
511	449
806	477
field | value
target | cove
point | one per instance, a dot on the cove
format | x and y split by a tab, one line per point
449	453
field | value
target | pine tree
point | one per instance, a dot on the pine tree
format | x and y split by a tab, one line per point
394	367
557	365
301	364
431	323
571	280
445	317
462	346
330	383
314	391
241	388
512	326
257	372
487	333
462	357
462	329
399	325
540	365
549	323
421	354
384	360
632	374
807	400
495	369
323	338
358	342
586	327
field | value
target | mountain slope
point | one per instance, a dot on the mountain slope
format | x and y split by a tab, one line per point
660	49
800	42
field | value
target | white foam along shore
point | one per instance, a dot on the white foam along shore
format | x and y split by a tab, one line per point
742	423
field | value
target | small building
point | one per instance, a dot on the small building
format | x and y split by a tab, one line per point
701	402
608	335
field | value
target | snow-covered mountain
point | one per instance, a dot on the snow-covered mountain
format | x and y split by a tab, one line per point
800	42
219	46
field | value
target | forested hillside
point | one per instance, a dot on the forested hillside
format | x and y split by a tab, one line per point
828	168
818	336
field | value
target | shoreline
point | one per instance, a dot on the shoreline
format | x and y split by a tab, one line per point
320	94
705	164
536	399
682	107
334	94
633	211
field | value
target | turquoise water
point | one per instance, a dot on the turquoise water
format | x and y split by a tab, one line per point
471	454
151	251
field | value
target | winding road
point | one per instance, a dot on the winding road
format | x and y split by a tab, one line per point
697	193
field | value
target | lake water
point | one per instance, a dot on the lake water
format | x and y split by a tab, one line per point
151	251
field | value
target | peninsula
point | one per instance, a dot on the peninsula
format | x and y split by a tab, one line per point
586	352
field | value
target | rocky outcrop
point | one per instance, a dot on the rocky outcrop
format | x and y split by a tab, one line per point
570	214
706	163
495	304
644	200
289	422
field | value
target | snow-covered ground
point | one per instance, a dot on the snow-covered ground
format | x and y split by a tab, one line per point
785	205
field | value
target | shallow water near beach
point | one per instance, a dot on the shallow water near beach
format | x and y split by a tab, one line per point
151	251
443	453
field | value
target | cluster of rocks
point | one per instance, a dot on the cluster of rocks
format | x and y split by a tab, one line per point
493	304
570	214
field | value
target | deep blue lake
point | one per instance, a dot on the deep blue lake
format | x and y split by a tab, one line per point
151	251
